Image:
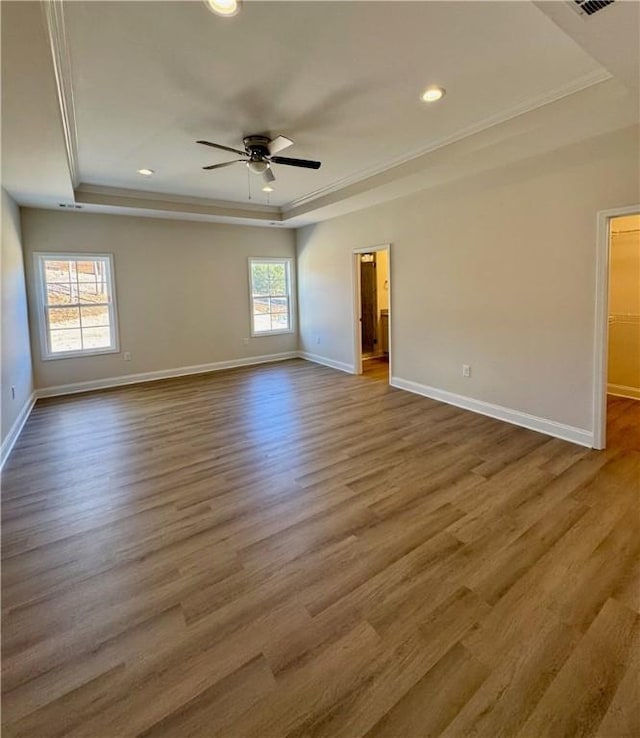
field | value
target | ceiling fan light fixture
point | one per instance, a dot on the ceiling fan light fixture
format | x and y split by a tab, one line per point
258	155
258	166
225	8
433	93
145	172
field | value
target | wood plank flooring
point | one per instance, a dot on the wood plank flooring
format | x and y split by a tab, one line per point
287	550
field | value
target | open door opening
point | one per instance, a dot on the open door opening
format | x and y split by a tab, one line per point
372	302
616	386
623	344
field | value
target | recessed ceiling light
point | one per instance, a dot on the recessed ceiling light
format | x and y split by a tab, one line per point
433	93
227	8
145	172
267	188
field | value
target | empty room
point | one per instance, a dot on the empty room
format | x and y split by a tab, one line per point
320	369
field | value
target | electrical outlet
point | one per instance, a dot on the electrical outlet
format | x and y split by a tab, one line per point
245	341
127	355
466	370
13	393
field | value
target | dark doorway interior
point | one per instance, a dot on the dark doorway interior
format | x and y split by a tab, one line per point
369	302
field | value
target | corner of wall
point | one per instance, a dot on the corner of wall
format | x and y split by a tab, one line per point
16	366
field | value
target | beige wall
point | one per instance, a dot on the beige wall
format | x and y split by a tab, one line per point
182	290
16	352
624	307
496	271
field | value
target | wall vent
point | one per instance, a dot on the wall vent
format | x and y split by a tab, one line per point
589	7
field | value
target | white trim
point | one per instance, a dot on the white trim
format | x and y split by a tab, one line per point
601	337
61	58
619	390
251	209
316	359
356	322
97	384
357	304
581	83
291	293
16	428
39	258
516	417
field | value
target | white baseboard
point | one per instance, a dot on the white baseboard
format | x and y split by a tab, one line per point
95	384
543	425
16	428
516	417
619	390
316	359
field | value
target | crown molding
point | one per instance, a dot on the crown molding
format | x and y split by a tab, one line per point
88	190
63	74
118	200
577	85
155	201
61	58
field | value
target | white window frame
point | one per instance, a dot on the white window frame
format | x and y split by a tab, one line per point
41	291
288	263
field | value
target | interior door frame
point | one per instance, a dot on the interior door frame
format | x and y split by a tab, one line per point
601	340
357	304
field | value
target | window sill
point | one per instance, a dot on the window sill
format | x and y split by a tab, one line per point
264	334
79	354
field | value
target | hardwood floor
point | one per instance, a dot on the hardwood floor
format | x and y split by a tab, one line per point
623	423
377	368
287	550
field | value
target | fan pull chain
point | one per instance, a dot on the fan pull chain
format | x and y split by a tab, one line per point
249	182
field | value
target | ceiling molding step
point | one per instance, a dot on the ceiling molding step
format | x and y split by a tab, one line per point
480	153
61	58
577	85
93	189
152	201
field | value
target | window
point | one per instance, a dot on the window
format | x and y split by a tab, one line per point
76	304
270	286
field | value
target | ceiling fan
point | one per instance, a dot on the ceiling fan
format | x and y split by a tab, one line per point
260	153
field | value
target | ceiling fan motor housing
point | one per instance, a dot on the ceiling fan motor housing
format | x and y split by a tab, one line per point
261	152
257	147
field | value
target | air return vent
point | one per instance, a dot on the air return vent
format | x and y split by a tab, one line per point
589	7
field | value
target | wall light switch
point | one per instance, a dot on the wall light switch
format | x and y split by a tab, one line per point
466	370
127	355
245	341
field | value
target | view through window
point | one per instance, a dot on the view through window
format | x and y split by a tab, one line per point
77	304
270	296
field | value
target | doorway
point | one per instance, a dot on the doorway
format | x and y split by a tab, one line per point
617	361
372	311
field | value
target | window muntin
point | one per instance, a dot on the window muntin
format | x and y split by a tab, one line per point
270	291
77	304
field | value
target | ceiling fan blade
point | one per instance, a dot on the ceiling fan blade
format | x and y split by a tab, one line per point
224	148
224	164
278	144
306	163
268	175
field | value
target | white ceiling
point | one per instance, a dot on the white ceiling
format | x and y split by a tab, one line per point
144	80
